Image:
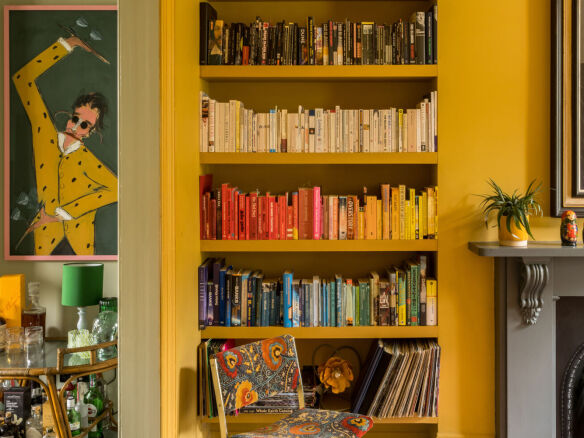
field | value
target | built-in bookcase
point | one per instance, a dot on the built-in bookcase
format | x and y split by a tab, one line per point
260	88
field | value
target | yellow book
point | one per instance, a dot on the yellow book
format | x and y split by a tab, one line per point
12	298
361	223
431	302
379	214
395	213
402	212
424	214
412	214
385	199
408	228
436	212
431	212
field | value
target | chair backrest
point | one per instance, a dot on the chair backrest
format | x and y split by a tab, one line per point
256	371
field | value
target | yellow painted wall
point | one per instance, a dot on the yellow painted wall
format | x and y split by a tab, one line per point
494	121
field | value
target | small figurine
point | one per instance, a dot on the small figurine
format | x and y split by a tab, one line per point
569	229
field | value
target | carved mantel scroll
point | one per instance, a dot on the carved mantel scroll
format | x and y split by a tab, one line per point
534	278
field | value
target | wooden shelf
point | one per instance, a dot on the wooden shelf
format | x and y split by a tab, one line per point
368	332
318	72
318	245
272	418
318	159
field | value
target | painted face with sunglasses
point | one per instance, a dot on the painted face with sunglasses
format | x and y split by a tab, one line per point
81	124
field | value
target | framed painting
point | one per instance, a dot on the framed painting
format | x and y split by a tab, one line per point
60	132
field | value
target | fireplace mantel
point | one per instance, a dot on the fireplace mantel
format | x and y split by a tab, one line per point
528	282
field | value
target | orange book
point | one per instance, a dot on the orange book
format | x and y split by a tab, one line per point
379	218
385	200
361	223
371	218
12	298
335	227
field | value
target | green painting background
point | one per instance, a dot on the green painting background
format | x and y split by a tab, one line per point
31	32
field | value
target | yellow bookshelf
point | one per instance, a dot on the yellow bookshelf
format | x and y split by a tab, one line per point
318	245
365	332
260	87
382	73
318	159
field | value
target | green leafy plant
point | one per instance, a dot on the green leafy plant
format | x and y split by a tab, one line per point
516	206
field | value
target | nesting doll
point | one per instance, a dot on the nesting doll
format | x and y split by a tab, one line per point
569	229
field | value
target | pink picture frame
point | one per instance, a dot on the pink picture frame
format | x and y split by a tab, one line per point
60	182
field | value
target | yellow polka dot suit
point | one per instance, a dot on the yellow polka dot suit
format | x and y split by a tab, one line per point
71	184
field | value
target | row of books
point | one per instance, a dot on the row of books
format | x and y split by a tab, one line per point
233	297
401	380
412	41
400	213
284	403
230	127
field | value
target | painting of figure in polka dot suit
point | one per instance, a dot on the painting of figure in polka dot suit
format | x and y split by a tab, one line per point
60	112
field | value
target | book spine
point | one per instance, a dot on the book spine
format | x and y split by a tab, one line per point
210	315
241	216
250	301
342	218
236	302
316	213
265	304
310	29
222	297
216	292
432	304
228	297
203	277
415	295
219	214
402	304
305	214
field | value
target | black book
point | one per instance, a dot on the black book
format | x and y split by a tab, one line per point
203	279
302	46
228	296
359	48
218	198
435	34
412	46
206	14
217	265
225	44
279	43
428	31
376	381
420	30
232	43
365	377
350	47
310	38
238	52
325	43
405	42
295	45
258	300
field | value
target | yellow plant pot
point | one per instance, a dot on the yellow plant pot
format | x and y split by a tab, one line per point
517	236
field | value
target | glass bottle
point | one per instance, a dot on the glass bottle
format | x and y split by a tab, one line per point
105	327
34	314
95	405
81	407
73	417
34	425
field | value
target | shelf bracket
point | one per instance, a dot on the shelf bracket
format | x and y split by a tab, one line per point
534	278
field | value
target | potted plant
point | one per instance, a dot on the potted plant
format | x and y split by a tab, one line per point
513	211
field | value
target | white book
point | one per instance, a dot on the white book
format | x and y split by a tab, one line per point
375	131
325	131
418	116
211	141
284	131
306	131
226	130
272	132
250	130
290	133
204	122
385	143
423	126
345	147
394	130
319	128
332	131
405	132
311	130
243	124
232	124
239	123
380	128
366	135
356	130
339	126
218	127
262	138
254	133
351	132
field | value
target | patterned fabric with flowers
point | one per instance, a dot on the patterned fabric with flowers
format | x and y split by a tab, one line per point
315	423
255	371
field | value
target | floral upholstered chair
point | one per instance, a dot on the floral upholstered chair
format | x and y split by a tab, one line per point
252	372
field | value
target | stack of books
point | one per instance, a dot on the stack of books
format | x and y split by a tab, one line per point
332	42
233	297
401	380
400	213
230	127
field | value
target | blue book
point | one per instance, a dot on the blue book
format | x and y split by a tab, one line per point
272	304
280	303
258	300
236	299
333	304
222	296
250	299
339	300
296	303
244	315
265	304
214	312
228	294
287	279
203	292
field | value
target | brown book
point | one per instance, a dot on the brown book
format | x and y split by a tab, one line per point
350	218
325	217
305	213
384	303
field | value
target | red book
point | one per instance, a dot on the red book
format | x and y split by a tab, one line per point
225	203
316	213
205	216
205	185
295	214
261	209
241	216
282	207
305	213
245	55
289	222
247	209
213	219
253	215
266	217
272	212
234	213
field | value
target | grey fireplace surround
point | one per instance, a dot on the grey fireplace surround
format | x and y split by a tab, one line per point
528	282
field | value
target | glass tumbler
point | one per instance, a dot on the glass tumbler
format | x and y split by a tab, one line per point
15	346
34	346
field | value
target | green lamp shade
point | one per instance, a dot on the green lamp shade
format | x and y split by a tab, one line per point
82	284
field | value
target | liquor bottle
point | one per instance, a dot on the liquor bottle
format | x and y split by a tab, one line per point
34	425
95	405
105	327
73	417
34	314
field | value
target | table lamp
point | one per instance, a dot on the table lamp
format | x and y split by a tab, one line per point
82	286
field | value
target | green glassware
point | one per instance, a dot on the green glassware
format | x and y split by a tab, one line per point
95	406
73	417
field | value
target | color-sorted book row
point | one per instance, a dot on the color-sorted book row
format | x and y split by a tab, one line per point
400	213
234	297
230	127
401	379
332	42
